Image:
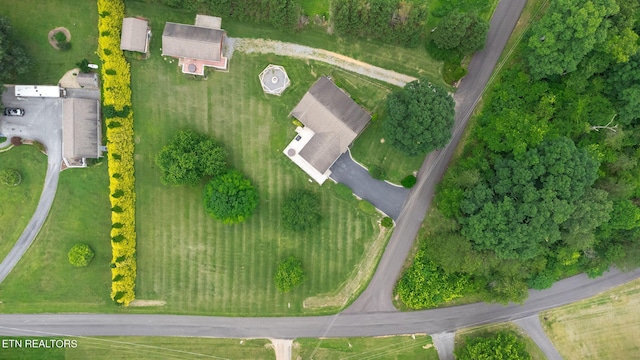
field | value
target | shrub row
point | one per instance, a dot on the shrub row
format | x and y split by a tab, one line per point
116	92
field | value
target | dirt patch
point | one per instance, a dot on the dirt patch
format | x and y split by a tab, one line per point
141	303
357	279
52	40
70	79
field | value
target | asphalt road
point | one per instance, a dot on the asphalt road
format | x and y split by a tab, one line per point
42	121
532	326
341	325
384	196
378	295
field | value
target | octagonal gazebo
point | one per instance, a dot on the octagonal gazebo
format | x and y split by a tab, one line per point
274	79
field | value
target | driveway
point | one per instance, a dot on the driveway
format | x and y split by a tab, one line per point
42	121
384	196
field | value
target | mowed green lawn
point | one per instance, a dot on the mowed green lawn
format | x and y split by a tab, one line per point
43	280
199	265
19	202
388	347
141	348
33	19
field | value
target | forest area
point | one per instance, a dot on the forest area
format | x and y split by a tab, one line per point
548	184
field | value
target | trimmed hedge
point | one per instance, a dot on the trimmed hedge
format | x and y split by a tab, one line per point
80	255
116	91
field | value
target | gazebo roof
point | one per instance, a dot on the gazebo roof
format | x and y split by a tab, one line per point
274	79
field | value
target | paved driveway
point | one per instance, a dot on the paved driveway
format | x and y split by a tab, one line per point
384	196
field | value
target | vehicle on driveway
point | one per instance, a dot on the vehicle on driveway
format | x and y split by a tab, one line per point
13	112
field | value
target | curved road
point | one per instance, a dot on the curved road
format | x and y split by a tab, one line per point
372	314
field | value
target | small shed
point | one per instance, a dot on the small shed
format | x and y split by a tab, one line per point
135	35
274	80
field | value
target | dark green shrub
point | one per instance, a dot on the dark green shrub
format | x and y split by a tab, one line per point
80	255
409	181
106	52
116	209
118	278
343	191
110	72
230	197
64	46
83	66
118	193
60	37
377	172
301	210
117	238
289	274
117	225
10	177
453	72
386	222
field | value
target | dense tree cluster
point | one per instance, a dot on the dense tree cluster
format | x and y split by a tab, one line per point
289	274
301	210
230	197
464	33
278	13
504	345
392	21
189	157
13	57
550	185
420	118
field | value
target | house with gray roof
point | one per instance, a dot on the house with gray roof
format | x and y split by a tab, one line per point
81	131
135	35
332	121
196	46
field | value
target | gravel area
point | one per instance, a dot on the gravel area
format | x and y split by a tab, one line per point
304	52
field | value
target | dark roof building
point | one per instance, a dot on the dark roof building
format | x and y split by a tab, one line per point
195	46
135	35
332	120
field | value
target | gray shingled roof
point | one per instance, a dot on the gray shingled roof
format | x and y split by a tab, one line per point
334	117
134	35
192	42
81	128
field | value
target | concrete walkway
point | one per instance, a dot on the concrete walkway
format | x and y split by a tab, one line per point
444	343
384	196
532	326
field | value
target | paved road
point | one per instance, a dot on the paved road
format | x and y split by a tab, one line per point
384	196
42	122
444	343
341	325
532	326
378	295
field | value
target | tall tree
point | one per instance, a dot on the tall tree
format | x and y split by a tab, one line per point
230	197
462	32
566	34
189	157
517	213
13	58
420	118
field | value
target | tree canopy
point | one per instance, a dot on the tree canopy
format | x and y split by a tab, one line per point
230	197
189	157
420	118
13	58
566	34
80	255
504	345
465	33
518	212
301	210
289	274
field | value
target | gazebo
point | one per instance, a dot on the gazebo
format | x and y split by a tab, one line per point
274	79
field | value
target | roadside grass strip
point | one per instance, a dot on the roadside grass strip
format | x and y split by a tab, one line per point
418	346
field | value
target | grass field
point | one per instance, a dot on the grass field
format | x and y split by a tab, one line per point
488	330
198	265
391	347
33	19
143	348
606	326
43	280
18	203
